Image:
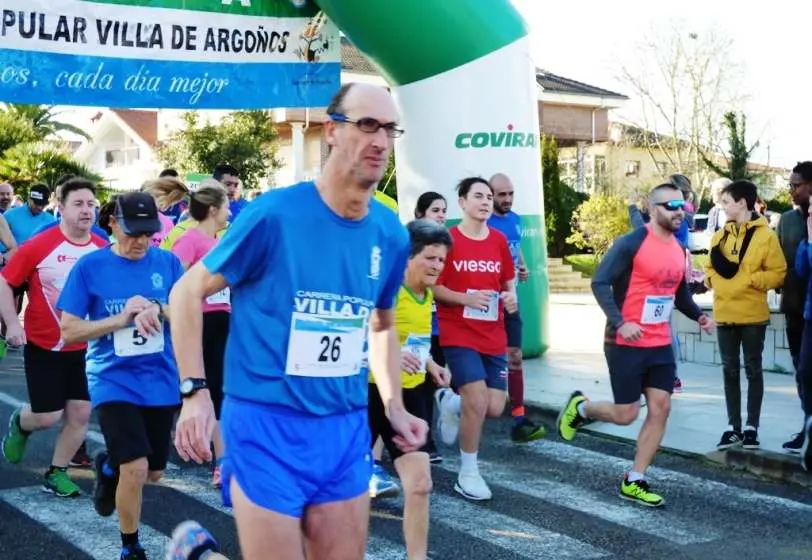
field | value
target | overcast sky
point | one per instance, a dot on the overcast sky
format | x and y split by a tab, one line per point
588	40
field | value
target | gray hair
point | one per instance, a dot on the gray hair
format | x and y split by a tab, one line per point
423	233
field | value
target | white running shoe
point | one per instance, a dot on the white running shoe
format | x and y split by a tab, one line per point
448	421
472	486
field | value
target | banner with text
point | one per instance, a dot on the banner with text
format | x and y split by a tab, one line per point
184	54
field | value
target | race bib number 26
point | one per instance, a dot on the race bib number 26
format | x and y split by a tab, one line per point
325	346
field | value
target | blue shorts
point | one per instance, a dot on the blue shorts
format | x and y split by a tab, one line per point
469	366
285	461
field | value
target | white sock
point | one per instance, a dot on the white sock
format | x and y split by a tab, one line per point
582	409
468	462
748	428
632	476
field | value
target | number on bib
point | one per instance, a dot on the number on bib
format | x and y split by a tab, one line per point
657	310
223	297
490	314
129	342
325	346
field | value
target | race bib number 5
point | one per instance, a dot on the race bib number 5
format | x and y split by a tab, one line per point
325	346
657	310
129	342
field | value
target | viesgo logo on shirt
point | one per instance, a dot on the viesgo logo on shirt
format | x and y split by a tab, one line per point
478	266
65	258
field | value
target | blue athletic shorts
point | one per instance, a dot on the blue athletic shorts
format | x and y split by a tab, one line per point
285	461
469	366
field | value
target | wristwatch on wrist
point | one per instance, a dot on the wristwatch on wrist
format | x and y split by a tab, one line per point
192	385
160	308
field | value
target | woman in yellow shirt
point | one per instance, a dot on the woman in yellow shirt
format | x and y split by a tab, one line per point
429	245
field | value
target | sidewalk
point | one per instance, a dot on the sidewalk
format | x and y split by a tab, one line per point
698	414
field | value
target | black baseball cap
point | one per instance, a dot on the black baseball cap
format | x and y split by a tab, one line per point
39	194
137	214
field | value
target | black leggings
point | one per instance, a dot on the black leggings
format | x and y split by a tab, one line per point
215	335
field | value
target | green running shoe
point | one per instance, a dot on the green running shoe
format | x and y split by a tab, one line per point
15	439
58	482
526	432
639	491
569	420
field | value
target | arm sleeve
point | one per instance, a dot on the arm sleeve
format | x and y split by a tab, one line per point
243	253
615	263
636	217
386	300
75	295
685	303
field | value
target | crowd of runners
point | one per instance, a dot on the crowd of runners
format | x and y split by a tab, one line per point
315	313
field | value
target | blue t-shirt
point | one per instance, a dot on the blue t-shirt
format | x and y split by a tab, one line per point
303	282
124	366
236	206
511	226
24	224
95	229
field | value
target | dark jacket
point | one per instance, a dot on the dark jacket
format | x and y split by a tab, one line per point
791	231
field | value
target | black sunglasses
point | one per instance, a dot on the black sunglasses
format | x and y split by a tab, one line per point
369	125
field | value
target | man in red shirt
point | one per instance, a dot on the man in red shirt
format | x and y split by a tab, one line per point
473	292
638	284
54	371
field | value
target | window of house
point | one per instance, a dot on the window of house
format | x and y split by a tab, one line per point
662	168
568	171
601	174
632	168
122	156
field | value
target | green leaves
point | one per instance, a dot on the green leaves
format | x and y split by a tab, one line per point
560	201
247	140
29	153
598	222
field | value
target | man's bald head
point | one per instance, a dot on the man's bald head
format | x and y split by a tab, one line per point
503	192
6	196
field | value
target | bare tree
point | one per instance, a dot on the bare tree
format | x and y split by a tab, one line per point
685	82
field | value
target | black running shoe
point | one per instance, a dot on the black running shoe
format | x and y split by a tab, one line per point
795	444
750	440
104	488
729	439
81	460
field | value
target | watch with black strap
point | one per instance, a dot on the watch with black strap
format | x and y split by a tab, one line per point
192	385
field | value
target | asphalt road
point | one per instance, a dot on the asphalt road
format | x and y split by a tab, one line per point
551	500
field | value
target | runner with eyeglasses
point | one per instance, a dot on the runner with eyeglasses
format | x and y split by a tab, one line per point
294	420
638	284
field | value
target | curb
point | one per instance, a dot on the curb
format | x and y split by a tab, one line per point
767	464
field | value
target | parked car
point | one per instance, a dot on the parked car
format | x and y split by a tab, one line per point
699	238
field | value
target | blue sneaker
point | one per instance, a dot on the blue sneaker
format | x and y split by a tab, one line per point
190	537
381	484
133	553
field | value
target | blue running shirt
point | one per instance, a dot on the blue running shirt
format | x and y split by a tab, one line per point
303	283
511	226
124	366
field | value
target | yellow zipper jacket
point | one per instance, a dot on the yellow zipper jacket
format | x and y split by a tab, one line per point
742	300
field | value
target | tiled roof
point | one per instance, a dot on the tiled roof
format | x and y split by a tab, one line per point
143	123
558	84
353	61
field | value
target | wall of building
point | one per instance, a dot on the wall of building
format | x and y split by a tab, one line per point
569	122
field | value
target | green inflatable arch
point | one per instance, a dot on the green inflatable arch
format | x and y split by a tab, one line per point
464	79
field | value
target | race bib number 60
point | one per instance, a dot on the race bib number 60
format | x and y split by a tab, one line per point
325	346
129	342
657	310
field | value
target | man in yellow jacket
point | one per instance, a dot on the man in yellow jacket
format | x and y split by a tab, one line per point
746	262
